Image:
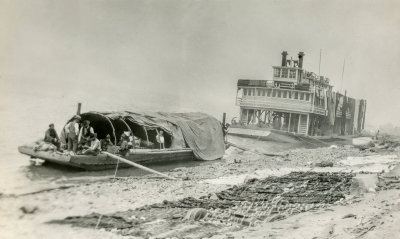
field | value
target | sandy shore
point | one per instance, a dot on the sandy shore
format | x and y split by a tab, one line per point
376	211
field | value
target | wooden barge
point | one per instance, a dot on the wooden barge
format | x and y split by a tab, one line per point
188	136
103	161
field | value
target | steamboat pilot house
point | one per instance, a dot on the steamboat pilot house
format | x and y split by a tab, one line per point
292	101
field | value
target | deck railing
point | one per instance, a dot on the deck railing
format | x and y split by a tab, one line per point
238	101
339	114
280	104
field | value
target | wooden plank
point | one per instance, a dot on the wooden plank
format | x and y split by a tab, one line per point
137	165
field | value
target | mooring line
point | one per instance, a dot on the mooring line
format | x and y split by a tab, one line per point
98	221
116	169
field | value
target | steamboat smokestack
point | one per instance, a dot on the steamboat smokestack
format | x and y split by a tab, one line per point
301	57
284	55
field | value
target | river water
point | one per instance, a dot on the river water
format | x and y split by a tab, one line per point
27	109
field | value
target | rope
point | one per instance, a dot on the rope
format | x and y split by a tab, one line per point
116	169
98	221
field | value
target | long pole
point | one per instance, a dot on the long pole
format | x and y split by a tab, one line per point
136	165
320	58
341	83
344	111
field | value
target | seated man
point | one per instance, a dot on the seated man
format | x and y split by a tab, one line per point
131	142
94	147
84	133
51	136
105	143
124	145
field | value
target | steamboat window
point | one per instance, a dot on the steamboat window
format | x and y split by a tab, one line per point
258	92
292	73
308	97
274	93
279	94
284	94
277	72
284	73
269	93
301	96
296	95
244	91
263	92
289	94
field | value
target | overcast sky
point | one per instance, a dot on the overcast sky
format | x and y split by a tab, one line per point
188	55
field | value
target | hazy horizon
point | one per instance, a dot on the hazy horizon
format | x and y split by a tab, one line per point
177	55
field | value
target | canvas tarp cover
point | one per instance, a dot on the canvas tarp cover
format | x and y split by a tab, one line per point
201	132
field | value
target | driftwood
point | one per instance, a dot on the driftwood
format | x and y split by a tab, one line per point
39	191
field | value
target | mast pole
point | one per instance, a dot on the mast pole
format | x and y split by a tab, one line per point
341	83
320	58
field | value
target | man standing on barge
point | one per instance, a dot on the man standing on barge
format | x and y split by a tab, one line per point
72	130
160	139
84	134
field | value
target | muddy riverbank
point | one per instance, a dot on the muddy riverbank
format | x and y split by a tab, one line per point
150	202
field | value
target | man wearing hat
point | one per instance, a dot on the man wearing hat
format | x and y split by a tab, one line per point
124	144
84	133
105	143
51	136
94	147
72	130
